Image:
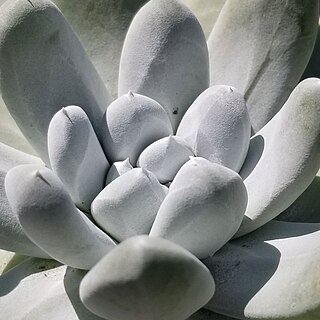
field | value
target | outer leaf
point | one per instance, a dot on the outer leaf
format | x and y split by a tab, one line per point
41	289
283	157
12	237
272	273
147	278
25	297
165	57
50	218
307	207
262	47
43	67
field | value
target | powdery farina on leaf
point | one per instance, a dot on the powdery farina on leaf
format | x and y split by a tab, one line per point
50	218
139	267
59	237
165	36
262	48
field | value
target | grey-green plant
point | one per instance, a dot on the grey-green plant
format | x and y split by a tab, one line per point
177	183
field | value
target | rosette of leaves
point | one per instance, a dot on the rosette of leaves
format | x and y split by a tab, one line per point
159	199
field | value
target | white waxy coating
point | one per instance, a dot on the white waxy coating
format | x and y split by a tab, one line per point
283	157
131	123
128	205
44	67
50	219
117	169
147	278
165	157
76	156
12	237
272	273
203	209
252	48
217	126
165	57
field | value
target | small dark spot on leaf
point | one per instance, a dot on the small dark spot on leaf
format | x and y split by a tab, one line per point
175	111
42	267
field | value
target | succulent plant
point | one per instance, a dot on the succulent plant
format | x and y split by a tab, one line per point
187	190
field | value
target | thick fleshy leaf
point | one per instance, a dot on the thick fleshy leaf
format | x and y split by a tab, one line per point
283	157
50	219
165	157
262	48
307	207
128	206
272	273
41	289
130	124
217	126
117	169
203	209
43	67
76	156
147	278
12	237
165	57
25	297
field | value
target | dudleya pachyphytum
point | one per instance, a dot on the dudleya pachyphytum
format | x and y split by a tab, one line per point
162	200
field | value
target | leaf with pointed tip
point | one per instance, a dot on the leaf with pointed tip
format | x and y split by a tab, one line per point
117	169
128	205
130	124
147	278
12	237
165	157
262	48
217	126
50	219
76	156
165	57
272	273
203	209
44	67
283	157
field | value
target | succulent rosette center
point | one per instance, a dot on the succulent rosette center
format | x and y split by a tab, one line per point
146	191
